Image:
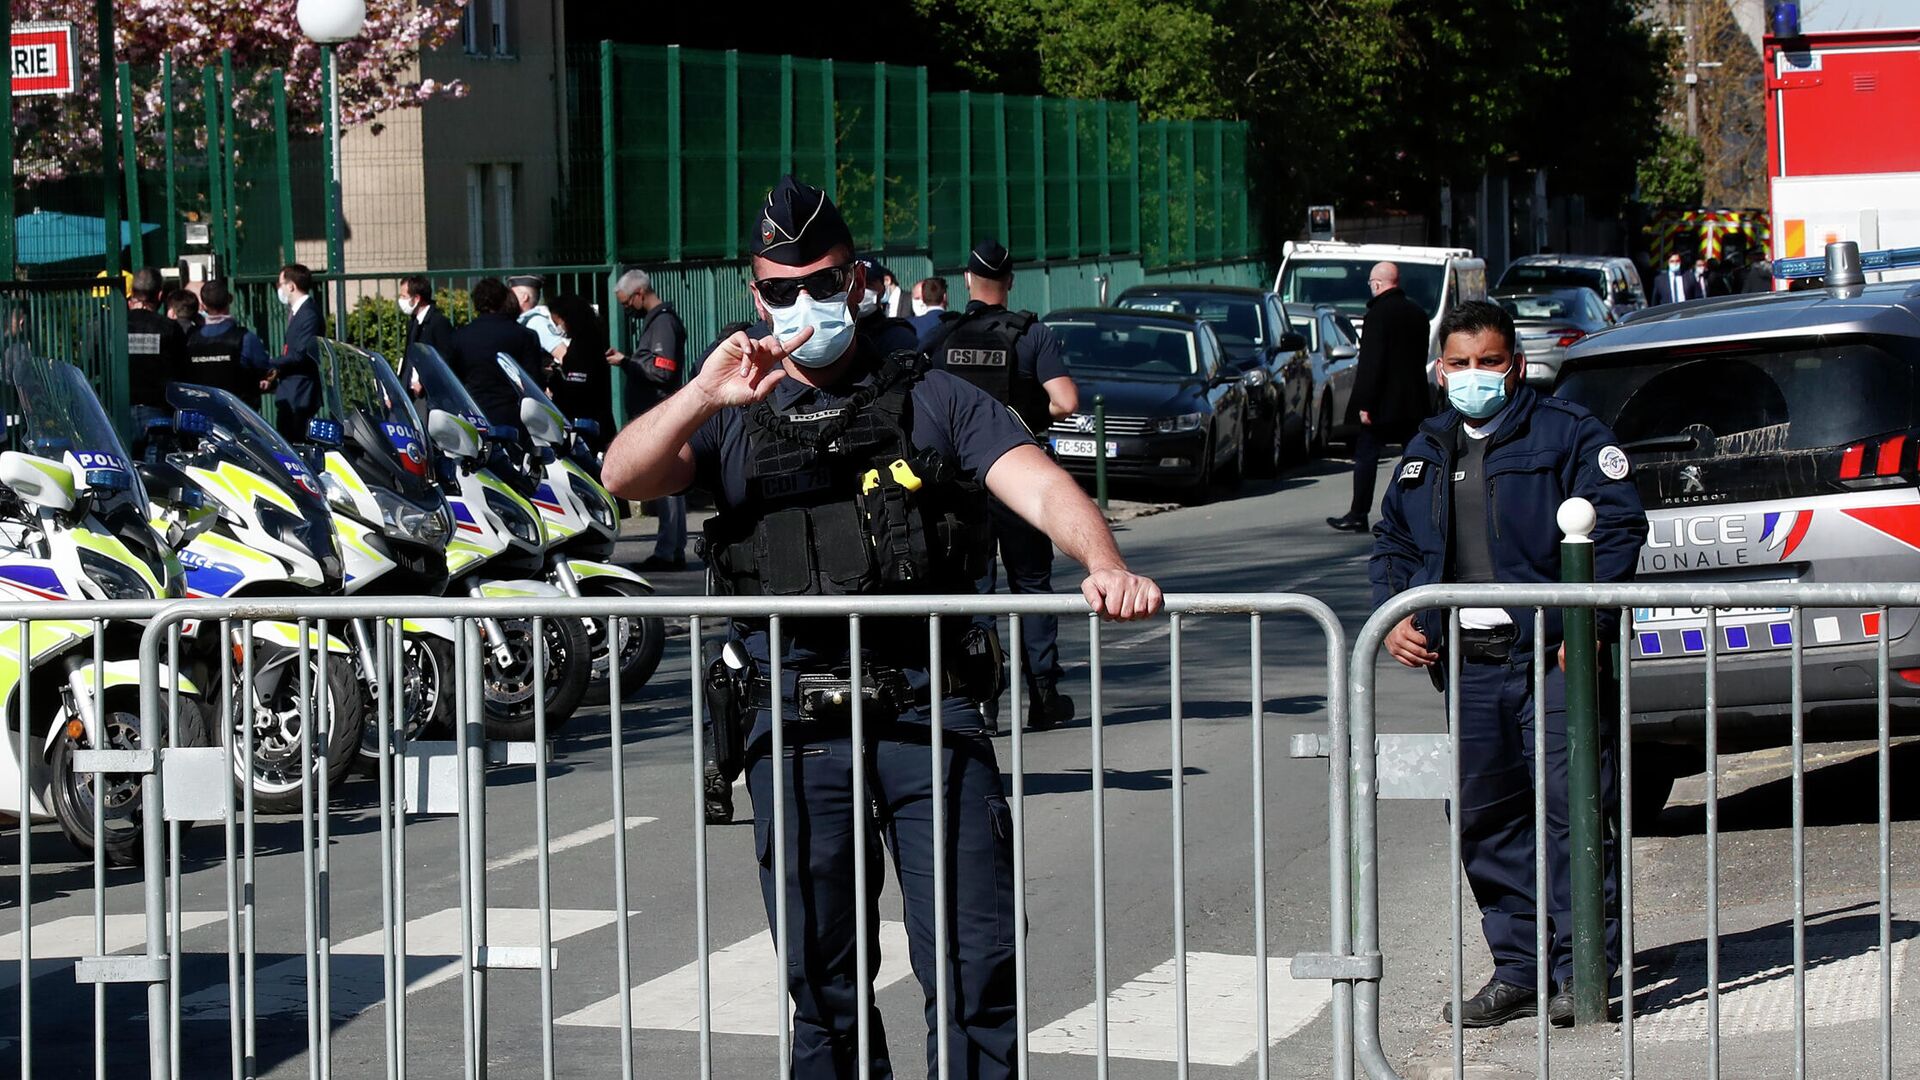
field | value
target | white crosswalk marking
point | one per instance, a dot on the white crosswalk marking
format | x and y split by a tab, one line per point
57	942
359	979
1221	1028
743	977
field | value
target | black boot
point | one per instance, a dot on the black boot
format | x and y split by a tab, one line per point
1494	1004
1049	708
719	797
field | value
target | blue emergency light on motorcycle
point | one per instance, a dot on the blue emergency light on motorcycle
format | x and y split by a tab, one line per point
108	479
588	428
323	432
503	433
192	421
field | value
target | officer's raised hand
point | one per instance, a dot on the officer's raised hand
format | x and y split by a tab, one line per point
742	370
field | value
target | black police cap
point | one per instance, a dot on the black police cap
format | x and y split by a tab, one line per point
531	281
990	260
798	225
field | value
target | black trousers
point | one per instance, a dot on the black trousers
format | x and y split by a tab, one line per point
821	818
1366	468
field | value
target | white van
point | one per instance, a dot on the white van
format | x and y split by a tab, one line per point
1334	273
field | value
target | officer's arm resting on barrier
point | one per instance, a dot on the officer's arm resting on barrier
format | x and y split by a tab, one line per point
650	458
1031	485
1063	396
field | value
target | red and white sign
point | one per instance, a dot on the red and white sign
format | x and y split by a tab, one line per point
43	58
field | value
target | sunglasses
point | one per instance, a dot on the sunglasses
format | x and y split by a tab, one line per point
821	284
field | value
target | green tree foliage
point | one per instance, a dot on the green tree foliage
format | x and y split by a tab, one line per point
1675	172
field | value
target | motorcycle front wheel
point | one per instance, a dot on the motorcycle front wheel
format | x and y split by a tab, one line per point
72	793
510	683
637	643
279	725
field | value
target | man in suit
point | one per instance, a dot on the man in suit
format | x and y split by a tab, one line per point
426	323
1390	396
929	303
293	376
1676	285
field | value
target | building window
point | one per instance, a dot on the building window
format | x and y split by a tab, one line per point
476	216
503	211
483	29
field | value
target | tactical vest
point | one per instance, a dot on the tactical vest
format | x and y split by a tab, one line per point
839	503
214	360
982	348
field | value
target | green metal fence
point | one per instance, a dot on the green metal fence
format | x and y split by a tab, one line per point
83	322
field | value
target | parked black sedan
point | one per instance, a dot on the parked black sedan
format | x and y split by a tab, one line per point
1175	406
1253	330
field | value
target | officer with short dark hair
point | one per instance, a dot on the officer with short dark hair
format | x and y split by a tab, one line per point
840	466
223	353
1014	356
1474	500
156	347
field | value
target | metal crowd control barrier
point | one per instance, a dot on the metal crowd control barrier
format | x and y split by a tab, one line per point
1426	766
417	780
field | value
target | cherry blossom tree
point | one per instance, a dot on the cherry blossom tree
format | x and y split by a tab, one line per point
379	71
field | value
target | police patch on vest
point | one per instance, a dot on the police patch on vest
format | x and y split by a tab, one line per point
1411	471
1613	463
976	358
788	484
143	344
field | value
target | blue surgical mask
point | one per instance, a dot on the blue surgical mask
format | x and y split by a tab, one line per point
832	322
1476	393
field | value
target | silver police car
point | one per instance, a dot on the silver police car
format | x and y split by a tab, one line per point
1773	438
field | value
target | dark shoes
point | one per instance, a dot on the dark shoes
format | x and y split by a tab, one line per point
1496	1003
1349	523
1560	1006
719	797
1049	709
655	562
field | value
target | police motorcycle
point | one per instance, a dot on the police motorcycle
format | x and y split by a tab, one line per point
252	520
390	523
582	522
497	549
74	526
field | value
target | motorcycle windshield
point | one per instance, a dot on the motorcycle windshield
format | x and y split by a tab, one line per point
58	413
433	385
236	433
382	434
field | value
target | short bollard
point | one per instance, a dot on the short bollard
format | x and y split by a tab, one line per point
1100	449
1588	872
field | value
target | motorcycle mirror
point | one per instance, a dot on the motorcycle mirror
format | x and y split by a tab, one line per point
541	422
452	434
192	421
323	432
37	481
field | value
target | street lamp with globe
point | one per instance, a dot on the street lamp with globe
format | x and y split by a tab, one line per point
327	23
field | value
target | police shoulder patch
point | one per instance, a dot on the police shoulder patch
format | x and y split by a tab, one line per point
1411	471
1613	463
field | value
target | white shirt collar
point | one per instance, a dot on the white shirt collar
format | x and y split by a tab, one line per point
1486	430
298	303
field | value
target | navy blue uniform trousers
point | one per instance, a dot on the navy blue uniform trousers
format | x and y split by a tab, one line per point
1028	555
1498	736
820	821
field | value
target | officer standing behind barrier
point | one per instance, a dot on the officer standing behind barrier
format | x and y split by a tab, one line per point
1015	358
840	466
1474	501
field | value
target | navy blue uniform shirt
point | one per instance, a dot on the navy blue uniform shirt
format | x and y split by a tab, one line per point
1037	352
959	421
1545	451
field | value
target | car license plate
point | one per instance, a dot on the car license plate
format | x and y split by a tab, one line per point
1082	448
1691	618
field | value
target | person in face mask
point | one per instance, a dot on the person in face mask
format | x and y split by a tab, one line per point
426	323
292	376
830	455
929	303
1474	501
873	309
1676	285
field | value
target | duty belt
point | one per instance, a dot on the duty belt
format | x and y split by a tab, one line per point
1490	646
827	697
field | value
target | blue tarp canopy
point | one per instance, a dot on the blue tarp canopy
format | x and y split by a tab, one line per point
50	236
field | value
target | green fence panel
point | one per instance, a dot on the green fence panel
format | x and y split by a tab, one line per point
858	122
708	232
77	321
812	124
258	180
906	122
641	162
1056	184
947	161
986	176
1025	235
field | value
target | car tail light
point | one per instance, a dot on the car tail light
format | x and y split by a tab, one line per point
1879	461
1569	336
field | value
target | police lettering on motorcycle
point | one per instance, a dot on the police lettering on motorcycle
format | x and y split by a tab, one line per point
840	465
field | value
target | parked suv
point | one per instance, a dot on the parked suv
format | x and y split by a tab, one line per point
1614	279
1773	438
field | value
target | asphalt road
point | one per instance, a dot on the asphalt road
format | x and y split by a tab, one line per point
1272	538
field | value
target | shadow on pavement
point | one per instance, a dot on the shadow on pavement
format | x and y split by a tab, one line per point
1842	793
1677	974
1074	781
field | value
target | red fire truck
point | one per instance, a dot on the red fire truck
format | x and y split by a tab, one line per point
1843	157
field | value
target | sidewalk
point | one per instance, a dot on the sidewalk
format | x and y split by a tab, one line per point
1757	1037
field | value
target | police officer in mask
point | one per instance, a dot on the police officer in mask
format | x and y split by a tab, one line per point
1015	358
840	466
1474	501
